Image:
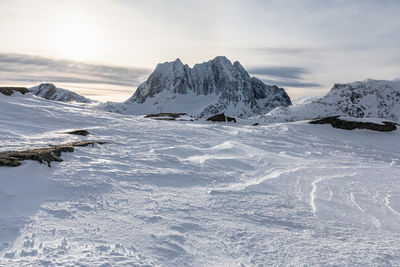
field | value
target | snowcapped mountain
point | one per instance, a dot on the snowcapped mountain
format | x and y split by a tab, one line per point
362	99
206	89
51	92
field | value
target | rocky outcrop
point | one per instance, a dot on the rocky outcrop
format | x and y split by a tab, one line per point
78	132
11	90
337	122
51	92
172	116
42	155
221	118
210	88
169	117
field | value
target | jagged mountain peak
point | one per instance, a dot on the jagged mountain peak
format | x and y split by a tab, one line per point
220	61
206	89
178	61
239	66
162	67
223	60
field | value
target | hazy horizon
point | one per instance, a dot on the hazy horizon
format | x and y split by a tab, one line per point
105	49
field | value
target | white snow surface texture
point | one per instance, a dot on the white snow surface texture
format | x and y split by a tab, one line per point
168	193
209	88
51	92
362	99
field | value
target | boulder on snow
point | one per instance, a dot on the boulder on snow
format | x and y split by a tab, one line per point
11	90
337	122
78	132
221	118
164	116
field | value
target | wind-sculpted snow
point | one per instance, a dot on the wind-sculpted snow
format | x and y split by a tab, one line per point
213	87
196	193
366	99
51	92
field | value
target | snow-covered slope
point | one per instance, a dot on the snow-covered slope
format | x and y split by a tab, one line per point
164	193
206	89
51	92
370	98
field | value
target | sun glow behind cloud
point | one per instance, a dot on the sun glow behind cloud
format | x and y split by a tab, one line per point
77	39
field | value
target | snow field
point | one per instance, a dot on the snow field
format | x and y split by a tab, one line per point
196	193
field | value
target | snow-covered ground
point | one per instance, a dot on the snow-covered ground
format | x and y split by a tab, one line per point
195	193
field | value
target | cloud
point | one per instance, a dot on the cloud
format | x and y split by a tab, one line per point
279	71
286	76
290	83
28	68
278	50
324	49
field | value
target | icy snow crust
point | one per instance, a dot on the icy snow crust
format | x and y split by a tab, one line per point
195	193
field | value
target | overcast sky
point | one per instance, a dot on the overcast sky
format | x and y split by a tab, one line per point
108	47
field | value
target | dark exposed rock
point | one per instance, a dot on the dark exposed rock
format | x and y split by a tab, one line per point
42	155
78	132
163	119
86	143
336	122
229	119
164	116
221	118
11	90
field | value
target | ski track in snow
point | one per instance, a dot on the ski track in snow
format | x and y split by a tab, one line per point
312	196
375	221
195	193
314	189
387	204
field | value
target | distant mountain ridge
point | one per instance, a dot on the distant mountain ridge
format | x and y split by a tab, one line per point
51	92
361	99
212	87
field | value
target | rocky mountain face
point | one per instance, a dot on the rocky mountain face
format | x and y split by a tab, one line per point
362	99
213	87
51	92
